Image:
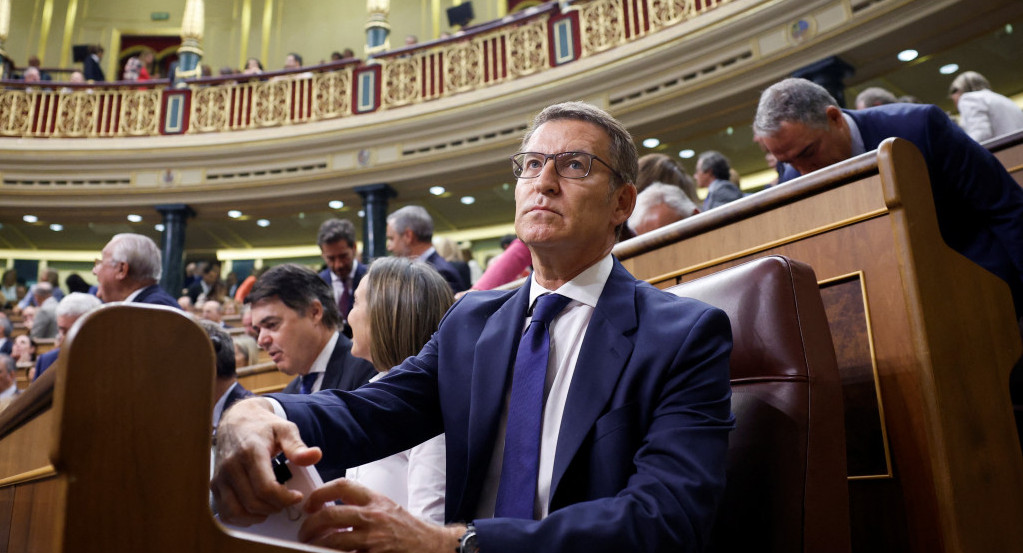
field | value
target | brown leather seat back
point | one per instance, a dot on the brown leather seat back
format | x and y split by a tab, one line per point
787	488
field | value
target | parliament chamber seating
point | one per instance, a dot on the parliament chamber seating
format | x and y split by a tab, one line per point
786	481
925	340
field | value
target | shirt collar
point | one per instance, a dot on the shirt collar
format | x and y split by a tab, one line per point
131	297
854	135
351	274
320	364
427	254
585	288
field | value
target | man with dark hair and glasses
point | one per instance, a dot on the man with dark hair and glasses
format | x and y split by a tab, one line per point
586	411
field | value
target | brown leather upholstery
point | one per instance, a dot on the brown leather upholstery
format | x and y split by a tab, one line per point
787	488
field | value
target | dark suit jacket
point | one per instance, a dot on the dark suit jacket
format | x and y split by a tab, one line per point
44	361
8	346
155	295
92	70
447	271
644	433
344	370
721	192
978	204
236	394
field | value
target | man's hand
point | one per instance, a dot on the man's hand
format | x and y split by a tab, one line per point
371	523
248	437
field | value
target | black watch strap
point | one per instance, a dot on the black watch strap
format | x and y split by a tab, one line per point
468	543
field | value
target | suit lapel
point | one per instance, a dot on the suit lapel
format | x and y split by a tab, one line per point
491	369
602	358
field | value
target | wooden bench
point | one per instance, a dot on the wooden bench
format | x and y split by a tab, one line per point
109	449
925	341
1009	150
263	378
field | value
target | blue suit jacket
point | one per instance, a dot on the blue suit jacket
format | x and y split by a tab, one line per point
448	271
640	459
978	204
44	361
155	295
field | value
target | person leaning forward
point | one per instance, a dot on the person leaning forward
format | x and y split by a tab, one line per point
634	431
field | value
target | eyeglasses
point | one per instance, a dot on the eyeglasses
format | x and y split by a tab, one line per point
569	165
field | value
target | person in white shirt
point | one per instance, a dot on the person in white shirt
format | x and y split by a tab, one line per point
983	113
8	381
397	308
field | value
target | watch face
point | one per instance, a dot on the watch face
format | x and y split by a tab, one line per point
469	544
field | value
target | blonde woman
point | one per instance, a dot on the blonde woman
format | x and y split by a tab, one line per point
398	306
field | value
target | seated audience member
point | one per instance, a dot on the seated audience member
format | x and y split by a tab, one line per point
73	306
209	276
451	253
31	75
250	330
213	311
662	168
292	61
297	319
76	77
336	56
34	61
185	303
129	269
659	205
45	323
28	317
874	96
253	67
47	275
9	288
226	388
8	380
983	113
978	204
625	451
231	283
75	283
6	331
246	351
397	309
347	54
137	67
411	40
24	350
713	173
410	234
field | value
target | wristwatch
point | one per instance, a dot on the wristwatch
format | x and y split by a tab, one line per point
468	543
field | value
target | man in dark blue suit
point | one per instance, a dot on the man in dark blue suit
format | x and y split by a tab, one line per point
635	404
978	204
344	272
410	234
129	270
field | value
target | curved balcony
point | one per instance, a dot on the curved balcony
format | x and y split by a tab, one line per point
446	112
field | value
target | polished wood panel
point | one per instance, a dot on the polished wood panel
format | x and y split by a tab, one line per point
1009	150
263	378
944	340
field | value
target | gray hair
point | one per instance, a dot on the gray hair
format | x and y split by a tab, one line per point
43	289
77	304
660	193
793	101
412	217
968	81
874	96
248	345
8	363
6	326
140	253
333	230
624	158
714	163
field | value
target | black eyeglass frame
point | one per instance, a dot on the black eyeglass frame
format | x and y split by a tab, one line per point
554	156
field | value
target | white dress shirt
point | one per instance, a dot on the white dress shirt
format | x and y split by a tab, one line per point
414	478
567	331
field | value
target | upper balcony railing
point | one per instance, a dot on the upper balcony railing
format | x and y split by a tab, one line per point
516	46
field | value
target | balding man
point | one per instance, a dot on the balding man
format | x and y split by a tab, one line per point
69	310
410	234
658	205
129	270
979	206
604	430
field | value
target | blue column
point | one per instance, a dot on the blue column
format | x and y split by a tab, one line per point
374	224
172	246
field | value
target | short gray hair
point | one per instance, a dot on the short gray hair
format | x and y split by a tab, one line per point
77	304
874	96
43	288
139	252
660	193
716	164
624	158
794	101
412	217
968	81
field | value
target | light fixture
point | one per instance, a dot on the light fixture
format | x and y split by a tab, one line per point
651	143
234	214
948	68
908	55
335	204
29	218
362	213
134	218
468	200
263	222
159	227
730	131
56	227
437	190
686	154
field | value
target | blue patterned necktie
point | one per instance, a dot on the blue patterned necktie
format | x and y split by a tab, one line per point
308	381
517	491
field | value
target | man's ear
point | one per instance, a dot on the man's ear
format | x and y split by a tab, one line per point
315	311
623	202
834	115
